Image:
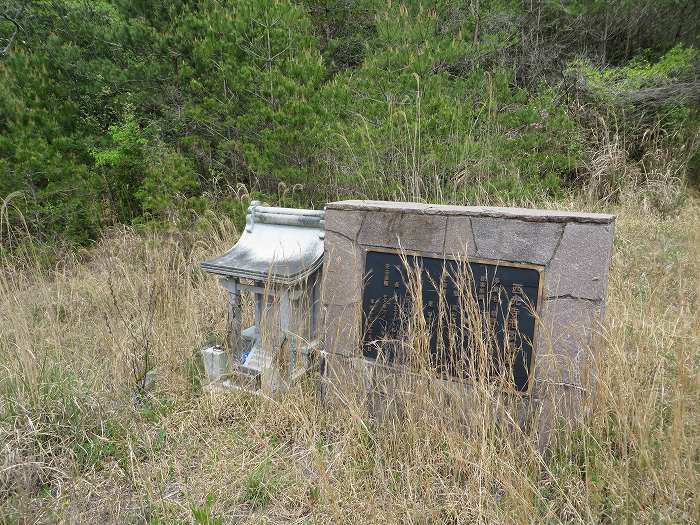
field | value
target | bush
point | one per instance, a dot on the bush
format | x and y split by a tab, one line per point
413	122
653	107
150	113
145	179
249	84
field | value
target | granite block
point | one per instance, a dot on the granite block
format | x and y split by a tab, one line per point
342	331
459	238
398	230
515	240
342	270
523	214
580	265
345	223
563	340
573	249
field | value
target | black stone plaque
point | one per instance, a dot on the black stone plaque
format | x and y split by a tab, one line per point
502	297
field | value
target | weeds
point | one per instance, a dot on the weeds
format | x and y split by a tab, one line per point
75	448
261	485
202	515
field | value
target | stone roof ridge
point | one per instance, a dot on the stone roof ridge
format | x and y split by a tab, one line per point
522	214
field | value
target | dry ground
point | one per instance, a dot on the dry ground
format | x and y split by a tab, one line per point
78	444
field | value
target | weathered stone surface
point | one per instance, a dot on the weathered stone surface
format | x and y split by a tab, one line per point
389	390
515	240
523	214
573	247
459	239
345	377
403	231
557	406
343	329
345	223
342	270
563	340
580	265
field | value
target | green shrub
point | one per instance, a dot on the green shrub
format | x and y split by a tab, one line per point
261	485
413	122
249	82
653	107
153	113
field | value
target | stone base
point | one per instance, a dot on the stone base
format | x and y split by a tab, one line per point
386	391
383	392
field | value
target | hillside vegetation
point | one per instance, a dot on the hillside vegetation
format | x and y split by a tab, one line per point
154	113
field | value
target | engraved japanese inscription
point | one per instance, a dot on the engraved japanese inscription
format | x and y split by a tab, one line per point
480	316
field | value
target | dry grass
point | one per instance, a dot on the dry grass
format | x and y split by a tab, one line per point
81	443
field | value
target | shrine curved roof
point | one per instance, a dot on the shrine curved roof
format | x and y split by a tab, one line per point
279	245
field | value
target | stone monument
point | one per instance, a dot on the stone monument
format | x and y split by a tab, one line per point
552	263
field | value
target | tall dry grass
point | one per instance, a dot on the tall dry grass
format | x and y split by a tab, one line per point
81	442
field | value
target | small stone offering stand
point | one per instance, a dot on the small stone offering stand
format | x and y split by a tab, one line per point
553	262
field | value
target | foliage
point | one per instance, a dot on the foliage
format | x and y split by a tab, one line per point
261	485
414	116
639	73
654	106
248	87
144	178
63	84
152	113
202	515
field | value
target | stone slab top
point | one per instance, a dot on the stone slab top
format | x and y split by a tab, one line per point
522	214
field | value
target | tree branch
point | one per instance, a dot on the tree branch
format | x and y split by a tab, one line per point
658	96
6	50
